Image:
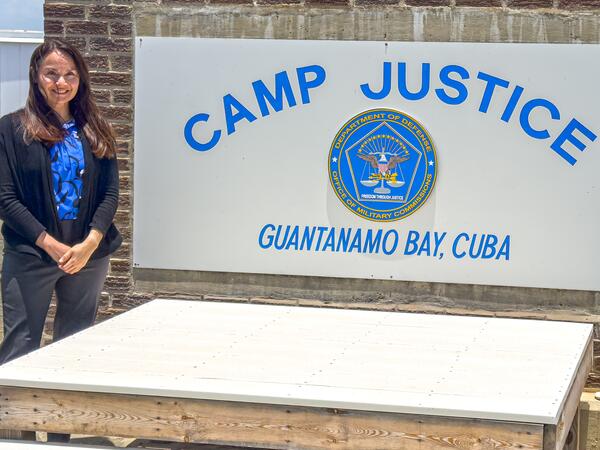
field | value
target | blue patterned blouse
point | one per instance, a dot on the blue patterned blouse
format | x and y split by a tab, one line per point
67	163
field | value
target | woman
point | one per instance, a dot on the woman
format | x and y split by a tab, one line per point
59	188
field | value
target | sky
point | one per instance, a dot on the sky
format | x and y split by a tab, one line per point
22	15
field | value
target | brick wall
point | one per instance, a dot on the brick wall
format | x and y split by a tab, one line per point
103	30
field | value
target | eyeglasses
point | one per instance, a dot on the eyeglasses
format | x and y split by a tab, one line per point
69	77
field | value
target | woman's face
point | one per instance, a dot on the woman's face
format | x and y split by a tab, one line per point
58	80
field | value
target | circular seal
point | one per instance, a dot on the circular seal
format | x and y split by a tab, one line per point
382	165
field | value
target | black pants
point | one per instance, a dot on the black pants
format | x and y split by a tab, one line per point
27	286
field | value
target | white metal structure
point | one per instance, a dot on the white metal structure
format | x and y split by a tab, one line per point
15	50
469	367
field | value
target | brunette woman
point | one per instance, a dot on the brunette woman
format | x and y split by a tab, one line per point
59	188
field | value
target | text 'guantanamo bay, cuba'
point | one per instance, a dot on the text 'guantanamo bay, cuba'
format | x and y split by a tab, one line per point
452	85
436	244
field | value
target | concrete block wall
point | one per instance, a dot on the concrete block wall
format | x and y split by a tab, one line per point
104	30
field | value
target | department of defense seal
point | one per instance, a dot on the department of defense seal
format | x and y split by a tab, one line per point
382	165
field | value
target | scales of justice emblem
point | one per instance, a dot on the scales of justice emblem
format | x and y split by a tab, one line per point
382	165
381	152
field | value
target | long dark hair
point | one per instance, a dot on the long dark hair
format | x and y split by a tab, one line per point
41	123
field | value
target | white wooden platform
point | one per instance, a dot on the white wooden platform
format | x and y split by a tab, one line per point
384	362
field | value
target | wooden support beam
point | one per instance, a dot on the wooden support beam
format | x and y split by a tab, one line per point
555	436
252	425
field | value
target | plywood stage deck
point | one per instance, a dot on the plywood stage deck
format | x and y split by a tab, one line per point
293	377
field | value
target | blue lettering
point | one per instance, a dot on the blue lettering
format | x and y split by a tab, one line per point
385	89
489	248
189	137
280	243
512	103
321	231
230	102
526	112
457	255
293	240
403	89
504	249
461	90
261	237
438	239
425	244
411	243
343	239
303	82
330	241
386	249
372	244
491	83
356	241
283	88
567	136
472	253
307	238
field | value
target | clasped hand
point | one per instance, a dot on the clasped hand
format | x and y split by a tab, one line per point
69	259
75	258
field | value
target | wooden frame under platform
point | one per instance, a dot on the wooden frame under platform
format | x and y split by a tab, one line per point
252	425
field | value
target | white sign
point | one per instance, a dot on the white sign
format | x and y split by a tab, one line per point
446	162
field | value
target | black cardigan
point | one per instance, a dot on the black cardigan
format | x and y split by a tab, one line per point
27	203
